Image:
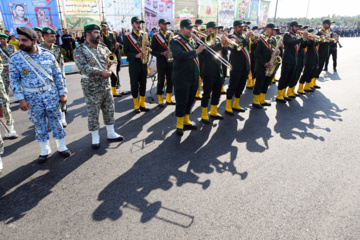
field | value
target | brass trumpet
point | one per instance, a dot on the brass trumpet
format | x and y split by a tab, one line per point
111	59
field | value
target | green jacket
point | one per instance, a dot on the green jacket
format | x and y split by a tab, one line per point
324	46
302	53
157	47
240	59
212	67
263	53
135	64
185	64
312	55
291	44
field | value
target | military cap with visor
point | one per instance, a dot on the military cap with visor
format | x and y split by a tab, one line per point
198	21
327	21
137	20
186	23
163	21
212	24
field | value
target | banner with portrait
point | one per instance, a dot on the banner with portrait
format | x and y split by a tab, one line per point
29	13
226	13
242	10
79	13
254	10
263	13
118	14
157	9
208	10
185	9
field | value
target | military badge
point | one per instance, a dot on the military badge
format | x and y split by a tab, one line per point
25	72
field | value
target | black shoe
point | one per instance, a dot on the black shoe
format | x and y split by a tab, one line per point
325	70
297	95
223	93
266	104
335	70
190	127
217	117
239	110
65	153
281	100
137	111
161	105
118	139
292	96
250	88
125	92
310	90
43	158
205	121
95	146
144	109
13	137
318	87
273	82
287	99
257	106
302	93
197	98
229	113
170	103
313	89
118	95
180	131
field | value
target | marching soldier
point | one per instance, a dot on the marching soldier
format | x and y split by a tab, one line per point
198	23
252	48
109	39
49	35
38	31
289	60
5	52
137	70
1	140
323	50
238	74
186	72
278	33
213	77
160	49
265	49
38	85
91	59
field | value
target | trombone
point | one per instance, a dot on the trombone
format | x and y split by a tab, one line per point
212	51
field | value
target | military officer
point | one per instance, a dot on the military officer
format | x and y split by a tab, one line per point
186	72
199	27
252	48
213	77
38	85
91	59
5	52
38	31
265	48
239	73
291	43
159	47
49	35
137	70
109	39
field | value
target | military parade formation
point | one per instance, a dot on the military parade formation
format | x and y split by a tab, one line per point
199	58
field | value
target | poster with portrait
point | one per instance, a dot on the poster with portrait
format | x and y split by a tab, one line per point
263	13
29	13
242	10
208	10
157	9
254	10
80	13
118	14
185	9
226	13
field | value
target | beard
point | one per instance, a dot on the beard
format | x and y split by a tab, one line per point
95	40
26	48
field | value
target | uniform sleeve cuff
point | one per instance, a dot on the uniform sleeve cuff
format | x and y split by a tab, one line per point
62	92
19	96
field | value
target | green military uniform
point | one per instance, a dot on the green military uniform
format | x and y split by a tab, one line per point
159	44
265	49
186	73
213	79
39	40
241	62
5	53
97	90
137	70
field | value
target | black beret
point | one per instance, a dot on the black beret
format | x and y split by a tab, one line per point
28	32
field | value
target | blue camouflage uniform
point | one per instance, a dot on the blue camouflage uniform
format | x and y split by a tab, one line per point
25	84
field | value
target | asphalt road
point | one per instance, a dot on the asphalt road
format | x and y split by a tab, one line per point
290	171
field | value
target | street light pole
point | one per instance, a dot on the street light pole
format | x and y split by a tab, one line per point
307	11
275	12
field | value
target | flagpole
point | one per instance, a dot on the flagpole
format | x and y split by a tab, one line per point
307	11
275	12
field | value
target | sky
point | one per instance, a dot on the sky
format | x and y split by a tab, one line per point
317	8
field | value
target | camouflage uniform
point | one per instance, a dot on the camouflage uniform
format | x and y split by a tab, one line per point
97	90
1	145
9	49
4	98
43	103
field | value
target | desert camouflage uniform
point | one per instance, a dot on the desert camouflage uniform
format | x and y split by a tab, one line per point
9	49
4	98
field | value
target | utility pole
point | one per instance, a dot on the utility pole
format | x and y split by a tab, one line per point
275	11
60	14
307	11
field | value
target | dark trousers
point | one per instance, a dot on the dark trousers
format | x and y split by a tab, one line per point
253	72
237	83
262	82
298	70
115	80
287	73
333	53
211	84
185	91
321	66
308	74
69	54
224	68
162	72
138	83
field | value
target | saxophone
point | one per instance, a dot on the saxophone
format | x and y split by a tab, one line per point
145	49
170	56
274	60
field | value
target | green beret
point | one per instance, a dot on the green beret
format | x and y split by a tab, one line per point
48	30
91	27
28	32
38	29
3	35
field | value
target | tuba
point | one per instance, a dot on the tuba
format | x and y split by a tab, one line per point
274	60
145	49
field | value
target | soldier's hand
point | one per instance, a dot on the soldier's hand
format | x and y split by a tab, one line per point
249	34
200	49
1	112
63	99
267	65
166	53
105	73
5	69
139	55
305	35
277	53
223	40
24	105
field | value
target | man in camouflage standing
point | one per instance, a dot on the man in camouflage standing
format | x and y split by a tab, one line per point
49	35
91	59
